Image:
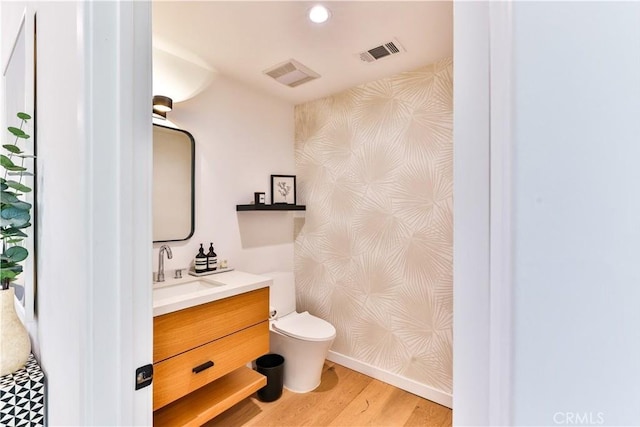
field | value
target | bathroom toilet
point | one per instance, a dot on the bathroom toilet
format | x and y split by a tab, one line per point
301	338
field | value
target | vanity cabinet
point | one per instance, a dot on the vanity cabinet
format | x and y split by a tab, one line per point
200	356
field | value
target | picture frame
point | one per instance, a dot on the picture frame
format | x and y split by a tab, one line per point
283	189
258	198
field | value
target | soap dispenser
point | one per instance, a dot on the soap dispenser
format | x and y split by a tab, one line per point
212	259
200	262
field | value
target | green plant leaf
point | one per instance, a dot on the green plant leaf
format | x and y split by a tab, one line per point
8	164
17	132
5	161
13	223
7	274
25	156
23	116
7	264
8	198
23	136
14	217
18	186
12	231
16	269
21	205
4	186
12	148
16	253
15	213
4	223
21	173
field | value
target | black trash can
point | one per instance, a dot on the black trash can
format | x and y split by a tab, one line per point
272	367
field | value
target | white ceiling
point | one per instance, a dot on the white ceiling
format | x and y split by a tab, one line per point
194	41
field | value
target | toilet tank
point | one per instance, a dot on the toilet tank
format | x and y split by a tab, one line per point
282	292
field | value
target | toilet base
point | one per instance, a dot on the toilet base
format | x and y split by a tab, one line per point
304	391
303	361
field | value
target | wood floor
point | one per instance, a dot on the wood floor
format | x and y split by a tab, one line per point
345	398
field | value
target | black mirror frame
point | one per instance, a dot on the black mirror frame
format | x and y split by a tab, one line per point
193	183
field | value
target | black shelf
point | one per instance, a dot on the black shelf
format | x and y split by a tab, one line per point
277	207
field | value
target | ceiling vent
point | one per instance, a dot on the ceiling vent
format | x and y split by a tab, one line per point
291	73
389	48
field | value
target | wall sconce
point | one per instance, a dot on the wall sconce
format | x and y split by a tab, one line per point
162	105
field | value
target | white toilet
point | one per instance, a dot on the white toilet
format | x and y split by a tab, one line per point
302	339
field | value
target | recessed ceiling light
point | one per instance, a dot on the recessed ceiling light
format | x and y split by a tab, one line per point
319	14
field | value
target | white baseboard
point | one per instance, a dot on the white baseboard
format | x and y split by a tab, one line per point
395	380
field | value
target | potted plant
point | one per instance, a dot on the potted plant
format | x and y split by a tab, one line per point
15	217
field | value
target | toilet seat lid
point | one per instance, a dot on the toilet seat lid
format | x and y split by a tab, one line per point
305	326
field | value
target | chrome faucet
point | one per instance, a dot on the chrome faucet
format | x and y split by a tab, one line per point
163	249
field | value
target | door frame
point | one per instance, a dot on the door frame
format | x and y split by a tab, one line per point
115	121
482	210
483	336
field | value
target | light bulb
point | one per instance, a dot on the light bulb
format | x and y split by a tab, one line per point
319	14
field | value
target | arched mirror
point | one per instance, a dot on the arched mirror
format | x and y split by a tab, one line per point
173	184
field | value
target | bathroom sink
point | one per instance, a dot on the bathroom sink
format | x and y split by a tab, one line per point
177	294
184	288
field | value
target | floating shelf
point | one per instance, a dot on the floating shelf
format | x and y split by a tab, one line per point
278	207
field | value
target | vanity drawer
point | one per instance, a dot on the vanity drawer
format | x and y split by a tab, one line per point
180	331
175	378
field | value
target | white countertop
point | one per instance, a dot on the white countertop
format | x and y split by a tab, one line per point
177	294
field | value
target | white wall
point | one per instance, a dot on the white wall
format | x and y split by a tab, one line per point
471	306
59	322
576	213
573	99
242	137
61	288
93	324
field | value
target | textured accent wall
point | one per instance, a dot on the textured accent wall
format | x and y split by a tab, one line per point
374	257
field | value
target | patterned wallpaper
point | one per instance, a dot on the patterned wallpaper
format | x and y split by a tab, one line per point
374	257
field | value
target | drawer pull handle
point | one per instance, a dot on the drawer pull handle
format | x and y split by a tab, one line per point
200	368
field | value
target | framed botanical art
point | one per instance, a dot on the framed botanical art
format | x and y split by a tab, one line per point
283	189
